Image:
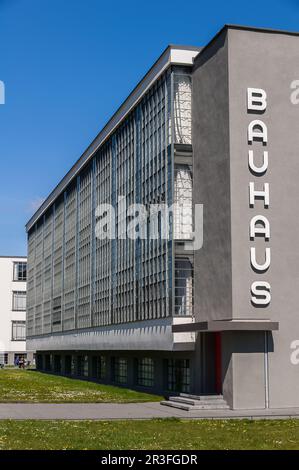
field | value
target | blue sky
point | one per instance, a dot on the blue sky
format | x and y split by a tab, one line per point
67	66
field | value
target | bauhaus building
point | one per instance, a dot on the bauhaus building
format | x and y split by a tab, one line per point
214	132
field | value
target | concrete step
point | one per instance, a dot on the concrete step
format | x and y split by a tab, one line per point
187	402
197	402
186	407
201	397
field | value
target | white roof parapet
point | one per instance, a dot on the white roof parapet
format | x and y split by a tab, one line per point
176	55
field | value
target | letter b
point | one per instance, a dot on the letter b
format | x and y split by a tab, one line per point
256	99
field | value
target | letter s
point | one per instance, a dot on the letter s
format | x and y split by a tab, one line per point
260	293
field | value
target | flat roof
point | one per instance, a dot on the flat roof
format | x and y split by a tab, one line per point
13	257
254	29
259	29
172	55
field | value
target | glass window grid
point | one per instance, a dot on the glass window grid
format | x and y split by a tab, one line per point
99	367
130	283
182	89
20	271
178	375
82	366
57	363
120	370
3	359
145	372
184	290
68	364
183	200
19	301
18	330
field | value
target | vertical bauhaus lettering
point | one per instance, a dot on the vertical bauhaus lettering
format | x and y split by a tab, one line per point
257	134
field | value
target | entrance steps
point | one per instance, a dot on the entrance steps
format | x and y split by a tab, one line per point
188	402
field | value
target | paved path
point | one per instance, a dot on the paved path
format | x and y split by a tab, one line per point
108	411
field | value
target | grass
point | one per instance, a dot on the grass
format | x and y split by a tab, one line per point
25	386
167	434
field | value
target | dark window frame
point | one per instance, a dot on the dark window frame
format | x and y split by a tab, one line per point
16	278
14	323
120	370
178	375
145	372
14	309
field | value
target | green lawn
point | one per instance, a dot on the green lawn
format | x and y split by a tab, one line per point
169	434
35	387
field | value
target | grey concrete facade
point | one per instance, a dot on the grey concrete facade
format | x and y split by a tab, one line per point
241	337
274	72
257	368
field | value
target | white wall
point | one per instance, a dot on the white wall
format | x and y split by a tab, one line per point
7	286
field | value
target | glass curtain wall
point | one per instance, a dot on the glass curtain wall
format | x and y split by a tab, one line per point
76	280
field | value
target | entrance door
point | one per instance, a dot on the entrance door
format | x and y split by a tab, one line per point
211	363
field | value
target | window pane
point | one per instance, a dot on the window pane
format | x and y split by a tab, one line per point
19	301
184	286
120	370
82	366
178	375
98	367
145	372
20	271
18	331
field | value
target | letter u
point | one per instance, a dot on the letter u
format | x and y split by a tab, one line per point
260	267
